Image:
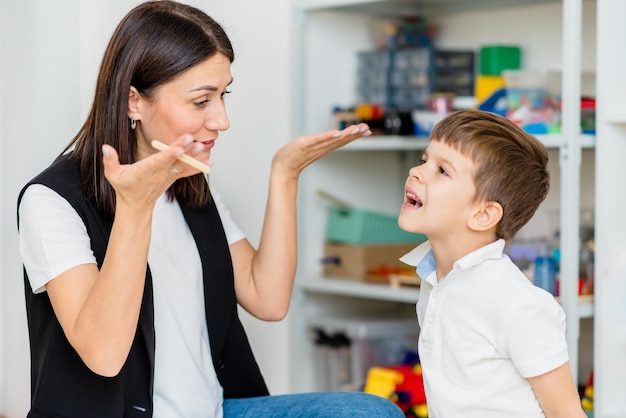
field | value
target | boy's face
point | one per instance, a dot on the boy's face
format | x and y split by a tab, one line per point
438	193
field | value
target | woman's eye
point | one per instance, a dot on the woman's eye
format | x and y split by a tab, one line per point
201	104
224	94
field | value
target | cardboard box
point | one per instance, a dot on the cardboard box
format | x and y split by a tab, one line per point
350	261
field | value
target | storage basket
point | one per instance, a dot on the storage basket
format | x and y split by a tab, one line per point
358	226
346	347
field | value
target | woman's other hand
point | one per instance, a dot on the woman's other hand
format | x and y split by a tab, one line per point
264	277
297	154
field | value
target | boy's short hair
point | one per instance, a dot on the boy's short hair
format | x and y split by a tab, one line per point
511	164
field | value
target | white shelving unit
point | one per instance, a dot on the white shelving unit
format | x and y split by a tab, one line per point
610	314
370	173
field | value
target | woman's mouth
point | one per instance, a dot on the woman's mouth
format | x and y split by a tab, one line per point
208	145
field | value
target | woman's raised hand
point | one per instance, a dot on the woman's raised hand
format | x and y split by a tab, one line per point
142	182
297	154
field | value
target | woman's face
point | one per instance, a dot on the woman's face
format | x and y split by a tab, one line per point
192	103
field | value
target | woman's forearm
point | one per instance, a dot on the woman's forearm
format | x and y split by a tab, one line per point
273	266
100	314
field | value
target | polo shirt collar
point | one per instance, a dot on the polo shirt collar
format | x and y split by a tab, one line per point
423	258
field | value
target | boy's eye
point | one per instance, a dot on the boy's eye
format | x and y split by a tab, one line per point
422	161
443	171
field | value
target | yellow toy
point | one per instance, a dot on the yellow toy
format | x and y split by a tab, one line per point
587	400
402	384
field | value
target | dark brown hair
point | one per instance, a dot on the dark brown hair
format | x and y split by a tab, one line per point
152	45
511	164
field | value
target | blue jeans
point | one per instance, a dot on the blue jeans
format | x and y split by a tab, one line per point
313	405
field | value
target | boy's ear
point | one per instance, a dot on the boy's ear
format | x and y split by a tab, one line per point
133	103
486	216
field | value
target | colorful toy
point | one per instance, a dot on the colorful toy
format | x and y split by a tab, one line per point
402	384
587	400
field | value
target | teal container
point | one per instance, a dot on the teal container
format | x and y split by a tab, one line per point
358	226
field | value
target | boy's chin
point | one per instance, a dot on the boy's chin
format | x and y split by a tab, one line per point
408	226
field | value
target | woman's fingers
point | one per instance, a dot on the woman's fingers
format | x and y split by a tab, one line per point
186	157
326	142
142	182
110	160
304	150
348	135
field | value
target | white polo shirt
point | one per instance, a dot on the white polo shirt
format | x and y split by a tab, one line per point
484	329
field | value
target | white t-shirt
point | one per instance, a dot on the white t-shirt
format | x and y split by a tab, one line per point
54	239
484	329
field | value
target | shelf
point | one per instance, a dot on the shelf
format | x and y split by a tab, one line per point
351	288
557	140
617	117
409	143
585	306
387	143
358	289
412	7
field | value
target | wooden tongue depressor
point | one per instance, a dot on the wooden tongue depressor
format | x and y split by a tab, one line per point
184	158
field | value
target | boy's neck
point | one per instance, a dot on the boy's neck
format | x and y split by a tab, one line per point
448	251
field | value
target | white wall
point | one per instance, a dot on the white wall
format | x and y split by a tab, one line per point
49	55
38	84
261	121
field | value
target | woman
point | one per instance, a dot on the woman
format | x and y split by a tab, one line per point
133	269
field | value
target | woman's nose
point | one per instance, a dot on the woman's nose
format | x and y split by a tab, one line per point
218	118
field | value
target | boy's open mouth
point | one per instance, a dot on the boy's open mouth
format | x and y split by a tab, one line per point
413	200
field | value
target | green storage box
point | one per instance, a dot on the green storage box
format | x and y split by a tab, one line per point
494	59
357	226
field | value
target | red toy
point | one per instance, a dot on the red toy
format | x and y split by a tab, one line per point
402	384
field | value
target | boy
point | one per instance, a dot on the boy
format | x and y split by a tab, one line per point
491	344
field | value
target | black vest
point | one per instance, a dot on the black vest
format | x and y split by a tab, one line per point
61	384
